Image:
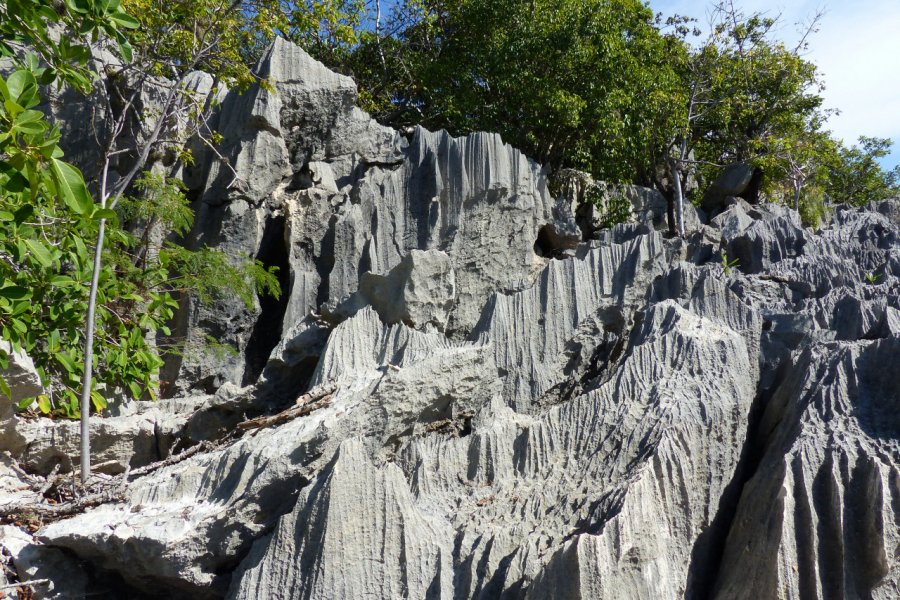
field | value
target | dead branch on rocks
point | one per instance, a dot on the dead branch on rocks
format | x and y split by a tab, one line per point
313	400
286	415
99	491
102	490
18	584
51	480
326	389
57	511
174	459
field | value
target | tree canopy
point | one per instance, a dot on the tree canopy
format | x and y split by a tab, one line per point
605	87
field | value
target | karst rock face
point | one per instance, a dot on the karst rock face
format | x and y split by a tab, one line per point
519	412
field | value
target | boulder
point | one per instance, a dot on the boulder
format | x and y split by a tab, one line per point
20	376
734	180
420	291
62	578
134	435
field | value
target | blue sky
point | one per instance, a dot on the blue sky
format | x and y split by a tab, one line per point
857	50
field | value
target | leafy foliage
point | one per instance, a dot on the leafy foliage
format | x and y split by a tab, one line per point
856	176
177	37
728	265
46	264
46	267
612	205
34	25
205	273
563	80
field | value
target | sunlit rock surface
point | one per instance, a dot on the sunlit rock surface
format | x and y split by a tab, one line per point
520	412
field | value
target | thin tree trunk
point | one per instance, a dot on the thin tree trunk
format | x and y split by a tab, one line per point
90	323
109	199
670	213
679	197
378	36
88	359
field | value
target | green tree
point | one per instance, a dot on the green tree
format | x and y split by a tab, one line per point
59	34
744	96
566	81
98	312
173	41
856	176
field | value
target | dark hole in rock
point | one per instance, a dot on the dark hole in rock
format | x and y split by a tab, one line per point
550	245
267	330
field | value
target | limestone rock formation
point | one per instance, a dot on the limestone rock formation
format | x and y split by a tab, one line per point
509	405
20	376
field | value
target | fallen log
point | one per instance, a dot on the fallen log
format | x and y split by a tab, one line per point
326	389
18	584
285	416
65	509
174	459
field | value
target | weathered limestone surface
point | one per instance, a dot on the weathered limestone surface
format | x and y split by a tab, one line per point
20	376
820	517
523	408
343	201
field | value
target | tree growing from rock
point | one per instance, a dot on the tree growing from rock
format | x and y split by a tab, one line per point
131	295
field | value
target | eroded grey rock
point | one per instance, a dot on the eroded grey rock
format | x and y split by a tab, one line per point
517	412
35	561
116	442
312	178
819	518
732	181
20	376
501	488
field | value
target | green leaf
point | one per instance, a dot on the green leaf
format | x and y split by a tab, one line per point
71	187
40	252
61	280
4	388
105	213
67	363
98	400
12	107
14	292
24	213
29	116
21	86
81	249
19	326
44	404
26	402
53	341
79	6
125	20
31	128
47	76
125	50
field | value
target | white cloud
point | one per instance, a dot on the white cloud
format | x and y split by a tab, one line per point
857	50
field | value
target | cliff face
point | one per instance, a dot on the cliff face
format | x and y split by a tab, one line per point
517	412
